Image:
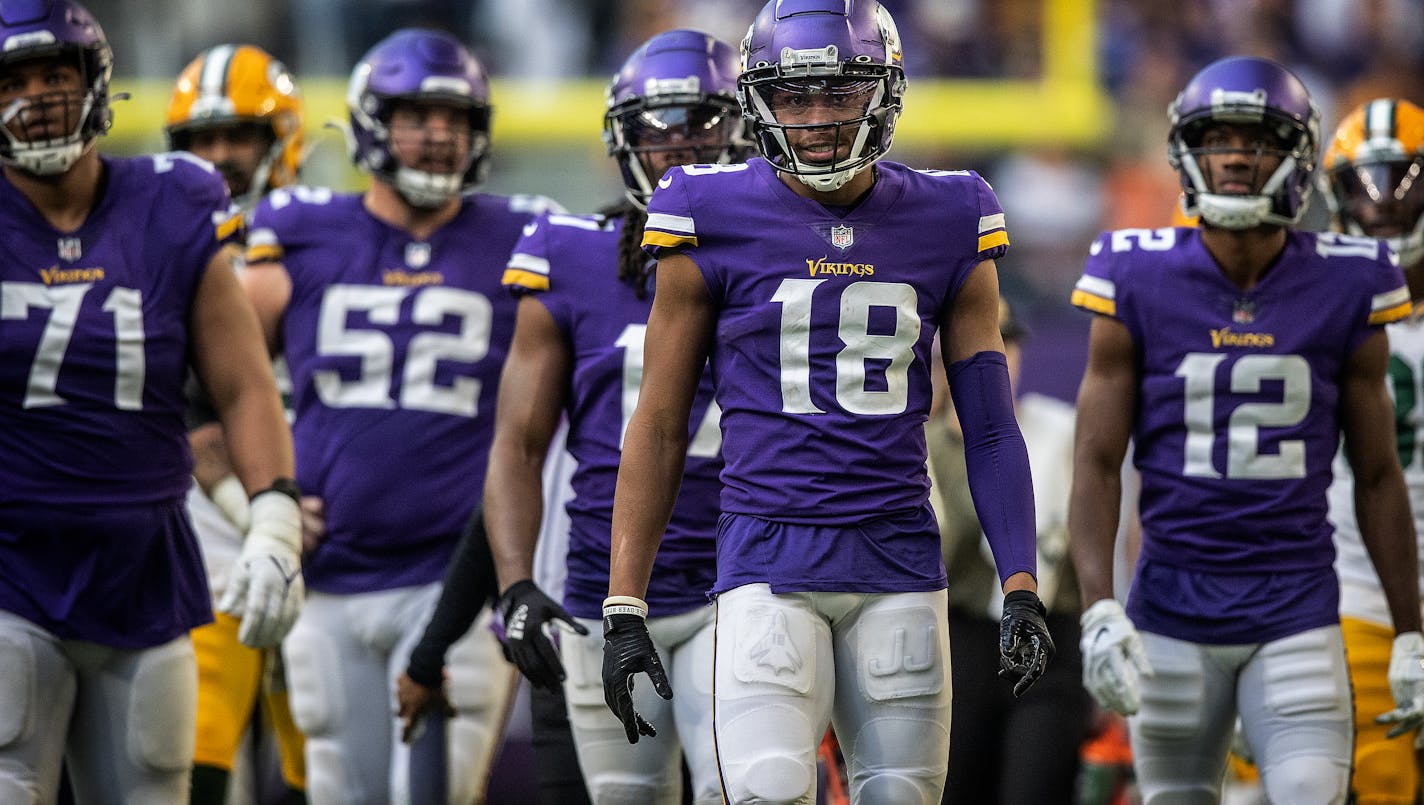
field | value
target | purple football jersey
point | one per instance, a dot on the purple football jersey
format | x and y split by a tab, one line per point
394	347
572	264
93	352
822	355
1237	421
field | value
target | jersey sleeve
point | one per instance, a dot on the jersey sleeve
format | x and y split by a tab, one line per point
670	228
276	222
528	269
1096	290
197	211
993	240
1389	300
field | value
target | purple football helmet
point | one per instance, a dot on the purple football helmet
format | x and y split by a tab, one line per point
840	53
1243	91
677	92
417	65
40	28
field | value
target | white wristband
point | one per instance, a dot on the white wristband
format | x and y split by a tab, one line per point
231	499
276	517
625	605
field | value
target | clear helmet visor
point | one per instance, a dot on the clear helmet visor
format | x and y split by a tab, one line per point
1382	199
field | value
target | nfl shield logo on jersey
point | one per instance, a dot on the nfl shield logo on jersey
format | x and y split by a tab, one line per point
417	255
842	237
70	249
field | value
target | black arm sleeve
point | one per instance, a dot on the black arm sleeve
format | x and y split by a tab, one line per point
469	584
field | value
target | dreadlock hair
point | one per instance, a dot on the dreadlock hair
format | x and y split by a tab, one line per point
634	265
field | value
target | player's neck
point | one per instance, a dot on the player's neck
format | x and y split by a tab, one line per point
386	203
844	196
1244	255
64	199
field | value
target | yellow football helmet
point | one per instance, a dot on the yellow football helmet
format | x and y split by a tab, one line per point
1375	175
241	84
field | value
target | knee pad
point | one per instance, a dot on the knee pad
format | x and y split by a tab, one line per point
17	683
313	675
773	778
619	789
1306	779
163	707
891	789
327	780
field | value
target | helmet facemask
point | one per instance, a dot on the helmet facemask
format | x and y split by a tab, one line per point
1383	199
425	187
54	127
1267	204
822	124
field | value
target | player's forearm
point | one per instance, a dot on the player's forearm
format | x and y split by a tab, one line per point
649	476
514	510
1092	530
1387	528
258	439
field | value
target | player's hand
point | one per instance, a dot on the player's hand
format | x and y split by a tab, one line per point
414	701
526	610
627	650
1406	681
266	587
313	522
1025	647
1113	657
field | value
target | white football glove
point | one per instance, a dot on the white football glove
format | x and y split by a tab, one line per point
265	590
1113	657
1406	681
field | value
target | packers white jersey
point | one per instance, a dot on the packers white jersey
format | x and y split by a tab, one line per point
1360	593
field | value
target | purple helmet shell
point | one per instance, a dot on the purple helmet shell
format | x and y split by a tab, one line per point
678	86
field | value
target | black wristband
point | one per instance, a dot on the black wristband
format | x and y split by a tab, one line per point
286	486
1027	597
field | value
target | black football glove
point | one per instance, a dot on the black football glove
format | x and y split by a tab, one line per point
526	610
1025	648
627	650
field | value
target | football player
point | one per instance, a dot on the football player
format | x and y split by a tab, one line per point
1373	169
815	278
114	278
388	307
578	345
1235	356
238	108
